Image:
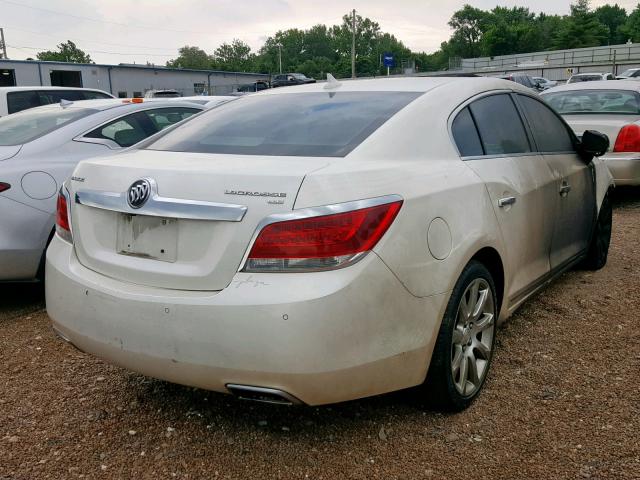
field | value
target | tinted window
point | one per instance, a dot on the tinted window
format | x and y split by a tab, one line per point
549	132
27	126
302	124
131	129
499	125
574	102
18	101
165	117
89	95
465	134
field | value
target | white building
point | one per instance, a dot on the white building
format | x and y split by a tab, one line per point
124	80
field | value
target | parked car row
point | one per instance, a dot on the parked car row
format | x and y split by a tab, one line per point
326	242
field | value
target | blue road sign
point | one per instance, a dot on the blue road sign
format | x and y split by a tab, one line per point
387	60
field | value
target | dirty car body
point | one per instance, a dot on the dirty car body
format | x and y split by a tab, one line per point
314	260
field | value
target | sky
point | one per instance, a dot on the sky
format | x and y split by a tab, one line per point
141	31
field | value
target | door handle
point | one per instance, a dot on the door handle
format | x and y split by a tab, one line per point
565	188
503	202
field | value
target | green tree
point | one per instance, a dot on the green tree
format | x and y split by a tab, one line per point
631	28
613	17
581	29
235	56
191	57
67	52
469	25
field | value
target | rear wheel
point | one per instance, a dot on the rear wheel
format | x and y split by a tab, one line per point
599	247
464	348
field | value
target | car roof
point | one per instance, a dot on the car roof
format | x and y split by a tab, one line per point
38	87
583	74
633	85
404	84
108	104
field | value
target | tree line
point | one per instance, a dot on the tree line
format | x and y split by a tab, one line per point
324	49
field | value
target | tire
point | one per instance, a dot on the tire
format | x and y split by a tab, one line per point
447	388
599	247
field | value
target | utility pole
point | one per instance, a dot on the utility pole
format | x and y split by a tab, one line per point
4	45
353	45
280	57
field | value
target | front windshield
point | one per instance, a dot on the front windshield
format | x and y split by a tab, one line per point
300	76
572	102
628	73
23	127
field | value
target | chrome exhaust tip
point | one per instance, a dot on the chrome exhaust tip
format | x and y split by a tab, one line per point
262	394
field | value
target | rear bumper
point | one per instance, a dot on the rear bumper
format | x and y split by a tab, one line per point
321	337
625	169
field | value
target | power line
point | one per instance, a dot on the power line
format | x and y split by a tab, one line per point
100	51
120	24
79	40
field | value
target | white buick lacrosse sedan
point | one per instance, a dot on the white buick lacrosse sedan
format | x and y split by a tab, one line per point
328	242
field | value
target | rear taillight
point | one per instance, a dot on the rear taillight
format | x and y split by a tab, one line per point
628	139
63	228
321	242
4	186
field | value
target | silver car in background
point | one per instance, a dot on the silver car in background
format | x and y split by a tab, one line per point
612	108
40	147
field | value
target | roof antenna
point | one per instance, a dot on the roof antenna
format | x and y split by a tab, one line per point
331	82
65	103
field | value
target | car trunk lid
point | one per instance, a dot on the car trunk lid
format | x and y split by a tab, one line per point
170	243
609	125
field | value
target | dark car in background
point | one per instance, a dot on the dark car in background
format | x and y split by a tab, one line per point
287	79
522	79
256	86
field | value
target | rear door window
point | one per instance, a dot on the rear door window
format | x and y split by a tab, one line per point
131	129
466	135
549	132
314	124
499	125
165	117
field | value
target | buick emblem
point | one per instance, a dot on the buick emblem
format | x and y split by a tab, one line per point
138	193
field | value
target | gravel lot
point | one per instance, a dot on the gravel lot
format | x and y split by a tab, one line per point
562	401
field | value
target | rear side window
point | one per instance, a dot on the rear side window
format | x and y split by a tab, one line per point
499	124
465	135
549	132
89	95
131	129
313	124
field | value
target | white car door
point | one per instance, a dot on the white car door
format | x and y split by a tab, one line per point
574	180
496	146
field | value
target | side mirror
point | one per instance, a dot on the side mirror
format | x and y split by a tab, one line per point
593	144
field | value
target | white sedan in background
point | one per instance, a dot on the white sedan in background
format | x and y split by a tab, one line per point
326	242
40	147
612	108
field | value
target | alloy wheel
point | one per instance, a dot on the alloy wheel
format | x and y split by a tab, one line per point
472	338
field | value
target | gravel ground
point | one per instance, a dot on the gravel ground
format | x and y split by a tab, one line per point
562	401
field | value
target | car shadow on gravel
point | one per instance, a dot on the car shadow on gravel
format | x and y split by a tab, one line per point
626	197
20	298
211	409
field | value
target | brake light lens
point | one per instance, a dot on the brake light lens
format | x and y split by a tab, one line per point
4	186
63	229
628	139
320	242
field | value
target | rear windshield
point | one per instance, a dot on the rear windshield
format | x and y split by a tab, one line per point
621	102
314	124
584	78
26	126
25	99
